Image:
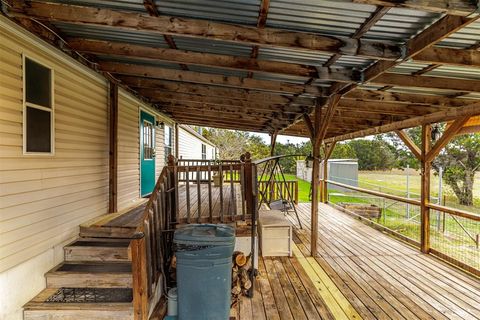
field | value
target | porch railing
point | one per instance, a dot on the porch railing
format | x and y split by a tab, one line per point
276	190
454	234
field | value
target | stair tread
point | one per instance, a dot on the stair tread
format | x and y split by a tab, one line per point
93	267
101	244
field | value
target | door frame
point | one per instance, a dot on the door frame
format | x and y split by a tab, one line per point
140	147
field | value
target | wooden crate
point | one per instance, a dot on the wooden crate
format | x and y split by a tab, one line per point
275	233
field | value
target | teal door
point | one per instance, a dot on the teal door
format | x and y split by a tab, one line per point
147	153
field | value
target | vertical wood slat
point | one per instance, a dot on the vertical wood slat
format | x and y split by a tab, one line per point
139	279
209	178
199	195
220	172
187	191
425	189
242	190
233	207
113	148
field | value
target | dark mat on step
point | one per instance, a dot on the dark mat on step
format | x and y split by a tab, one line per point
104	267
91	295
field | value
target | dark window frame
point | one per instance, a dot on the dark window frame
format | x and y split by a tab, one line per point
168	148
204	151
30	105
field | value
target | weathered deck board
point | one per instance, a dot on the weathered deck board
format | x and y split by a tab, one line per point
379	277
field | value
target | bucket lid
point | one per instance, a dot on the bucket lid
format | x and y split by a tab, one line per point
210	234
172	293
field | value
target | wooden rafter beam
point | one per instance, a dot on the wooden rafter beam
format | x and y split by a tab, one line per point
409	143
213	91
205	114
406	98
269	37
329	113
453	7
211	60
450	57
261	21
364	28
388	107
448	84
215	79
309	126
440	116
450	133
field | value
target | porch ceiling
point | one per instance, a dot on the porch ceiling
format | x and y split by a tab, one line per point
262	65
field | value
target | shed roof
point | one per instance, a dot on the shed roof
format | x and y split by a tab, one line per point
262	65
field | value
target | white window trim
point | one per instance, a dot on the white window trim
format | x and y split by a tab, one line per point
33	105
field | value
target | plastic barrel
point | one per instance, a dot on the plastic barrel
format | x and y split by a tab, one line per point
204	271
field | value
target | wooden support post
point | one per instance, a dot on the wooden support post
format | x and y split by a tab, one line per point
176	144
425	189
273	141
328	152
174	191
139	277
113	147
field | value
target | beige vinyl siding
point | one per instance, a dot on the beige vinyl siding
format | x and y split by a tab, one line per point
43	198
128	150
190	146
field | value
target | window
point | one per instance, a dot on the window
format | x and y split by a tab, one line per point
168	142
204	152
38	108
148	145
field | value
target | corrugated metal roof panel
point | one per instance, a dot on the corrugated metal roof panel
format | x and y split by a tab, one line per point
455	72
408	67
330	17
233	11
280	77
112	34
161	64
352	62
213	46
465	38
399	25
293	56
128	5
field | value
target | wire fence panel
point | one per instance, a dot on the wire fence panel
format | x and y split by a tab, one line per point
456	237
401	218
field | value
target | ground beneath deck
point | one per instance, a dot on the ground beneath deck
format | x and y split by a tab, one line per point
359	273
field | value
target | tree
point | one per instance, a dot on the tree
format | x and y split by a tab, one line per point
343	151
373	154
461	160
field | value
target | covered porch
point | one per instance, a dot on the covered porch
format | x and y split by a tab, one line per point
357	273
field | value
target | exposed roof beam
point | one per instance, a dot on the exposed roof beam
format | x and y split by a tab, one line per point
167	97
213	91
424	40
261	21
408	98
388	108
215	79
185	111
440	116
204	29
453	7
364	28
211	60
449	84
450	57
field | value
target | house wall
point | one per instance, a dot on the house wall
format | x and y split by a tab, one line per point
44	198
190	146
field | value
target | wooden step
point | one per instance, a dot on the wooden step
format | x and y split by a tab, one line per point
89	249
90	275
39	308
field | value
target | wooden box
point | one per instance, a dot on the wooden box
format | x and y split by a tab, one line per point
275	233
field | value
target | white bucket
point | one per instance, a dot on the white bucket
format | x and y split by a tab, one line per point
172	306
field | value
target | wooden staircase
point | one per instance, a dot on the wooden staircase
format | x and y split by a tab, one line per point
94	282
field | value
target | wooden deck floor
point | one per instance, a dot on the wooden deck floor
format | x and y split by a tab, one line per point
359	273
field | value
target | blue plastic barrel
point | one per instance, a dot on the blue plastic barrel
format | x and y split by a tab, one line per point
204	271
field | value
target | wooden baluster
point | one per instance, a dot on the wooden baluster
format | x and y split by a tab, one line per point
152	238
233	205
209	178
174	193
187	190
242	189
139	279
199	195
220	172
148	257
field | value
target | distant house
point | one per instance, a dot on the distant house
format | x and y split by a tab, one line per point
192	145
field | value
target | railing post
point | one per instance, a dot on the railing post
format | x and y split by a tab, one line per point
425	189
139	277
173	191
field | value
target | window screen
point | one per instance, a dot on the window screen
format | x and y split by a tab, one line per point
38	108
204	152
168	142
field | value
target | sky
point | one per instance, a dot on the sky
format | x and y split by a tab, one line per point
280	138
